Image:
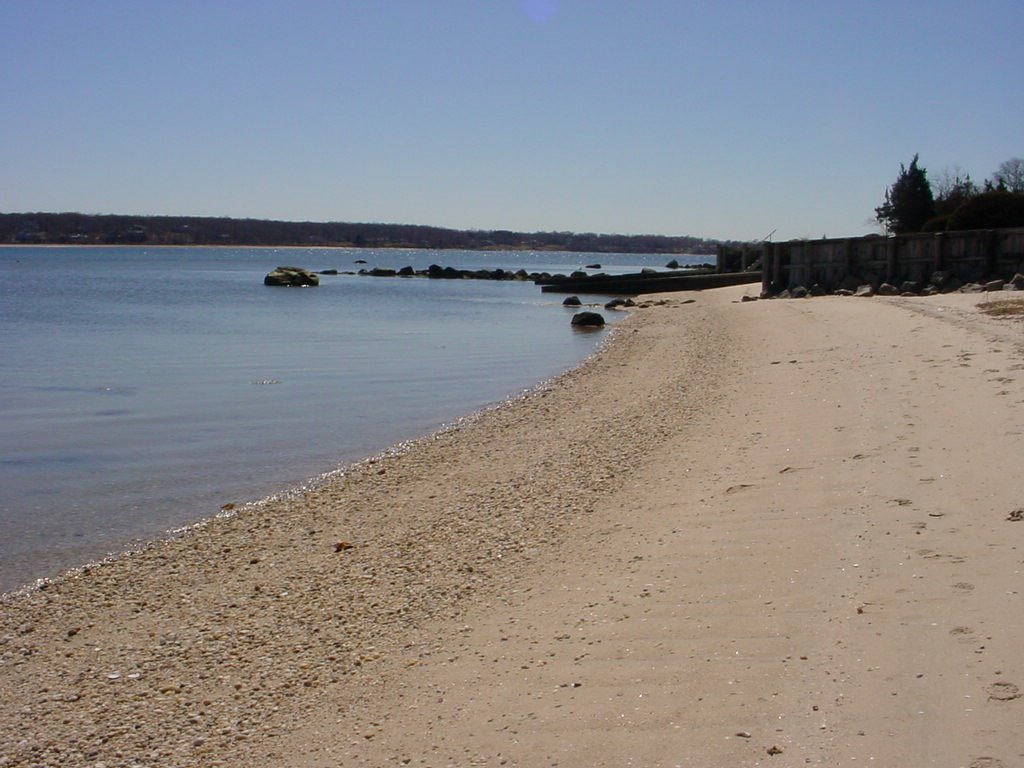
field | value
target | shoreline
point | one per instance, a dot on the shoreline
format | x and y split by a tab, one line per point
296	491
737	528
67	478
269	601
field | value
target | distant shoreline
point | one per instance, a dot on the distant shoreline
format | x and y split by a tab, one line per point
221	246
72	229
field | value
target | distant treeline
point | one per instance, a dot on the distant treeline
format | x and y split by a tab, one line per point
82	229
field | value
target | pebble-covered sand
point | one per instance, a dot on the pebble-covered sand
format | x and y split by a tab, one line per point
194	649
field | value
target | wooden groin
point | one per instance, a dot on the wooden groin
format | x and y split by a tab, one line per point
646	282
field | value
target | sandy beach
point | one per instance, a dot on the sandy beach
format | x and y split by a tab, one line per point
746	533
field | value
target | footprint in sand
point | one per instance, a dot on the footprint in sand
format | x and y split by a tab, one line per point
986	762
739	487
966	587
1003	691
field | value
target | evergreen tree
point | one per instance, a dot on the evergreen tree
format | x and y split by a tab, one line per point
908	202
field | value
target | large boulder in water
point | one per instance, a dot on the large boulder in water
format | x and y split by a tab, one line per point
587	320
291	276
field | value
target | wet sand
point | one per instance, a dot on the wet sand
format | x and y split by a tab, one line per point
761	533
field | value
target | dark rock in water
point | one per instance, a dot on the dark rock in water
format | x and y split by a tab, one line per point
672	265
648	271
616	303
435	272
359	261
328	271
572	301
522	274
381	272
888	289
406	272
587	320
578	274
593	266
451	273
291	276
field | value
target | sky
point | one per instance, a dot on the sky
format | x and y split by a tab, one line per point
724	120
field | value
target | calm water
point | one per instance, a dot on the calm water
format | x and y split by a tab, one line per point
141	389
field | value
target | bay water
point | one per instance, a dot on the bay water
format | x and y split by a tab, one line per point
141	389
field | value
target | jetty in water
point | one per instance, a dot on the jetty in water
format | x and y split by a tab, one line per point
646	282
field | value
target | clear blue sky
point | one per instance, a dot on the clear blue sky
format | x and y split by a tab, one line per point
715	119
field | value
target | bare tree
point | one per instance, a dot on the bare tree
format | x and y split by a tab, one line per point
952	188
948	180
1010	175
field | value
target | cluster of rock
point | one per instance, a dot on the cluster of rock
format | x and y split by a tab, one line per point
588	319
939	282
436	272
291	276
298	276
574	301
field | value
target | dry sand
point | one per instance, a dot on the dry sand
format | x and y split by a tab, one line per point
770	533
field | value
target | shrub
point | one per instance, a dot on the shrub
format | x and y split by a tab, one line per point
989	210
936	224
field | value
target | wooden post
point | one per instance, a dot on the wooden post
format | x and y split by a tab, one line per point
778	250
991	238
848	258
892	261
